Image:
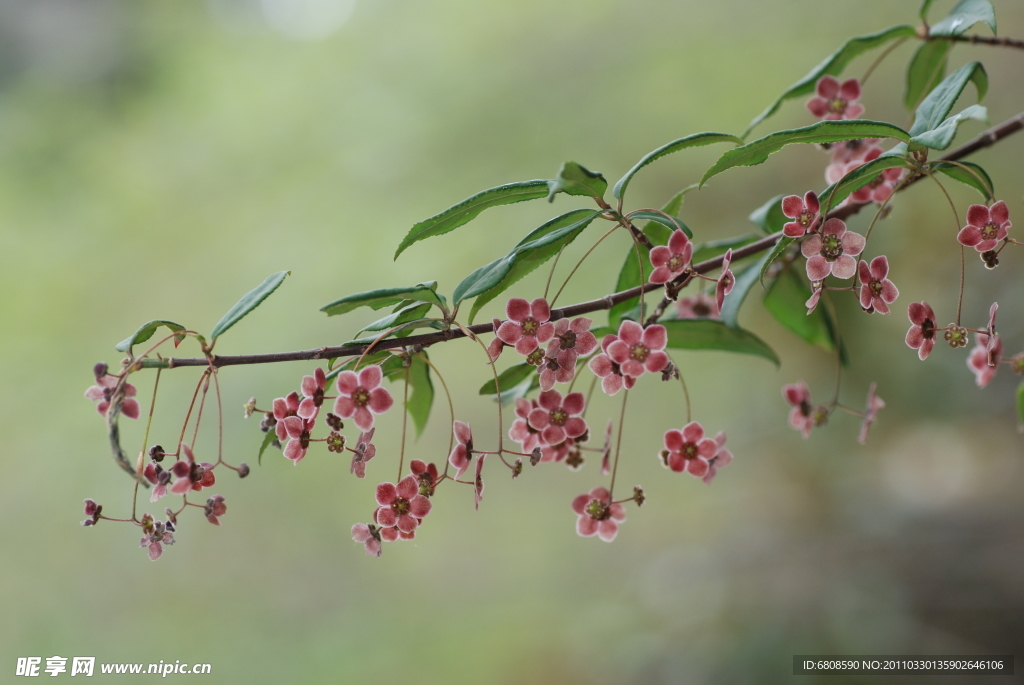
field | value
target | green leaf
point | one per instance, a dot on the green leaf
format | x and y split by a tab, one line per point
939	138
926	69
924	9
695	140
711	334
146	331
821	132
785	301
409	313
1020	407
857	179
249	302
734	300
775	253
269	437
939	102
769	216
540	245
385	297
421	393
470	208
401	331
512	376
574	179
963	16
670	222
974	176
629	274
833	66
717	248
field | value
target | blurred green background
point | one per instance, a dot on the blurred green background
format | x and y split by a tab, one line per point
158	160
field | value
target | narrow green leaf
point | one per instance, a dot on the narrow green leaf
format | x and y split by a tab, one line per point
393	367
822	132
924	9
857	179
769	216
786	301
717	248
775	253
406	314
268	437
937	105
574	179
695	140
711	334
833	66
670	222
470	208
512	394
963	16
540	245
513	375
249	302
974	176
146	331
734	300
421	393
401	330
926	69
941	137
369	360
384	297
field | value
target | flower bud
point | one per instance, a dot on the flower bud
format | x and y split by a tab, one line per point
638	496
517	469
100	370
243	470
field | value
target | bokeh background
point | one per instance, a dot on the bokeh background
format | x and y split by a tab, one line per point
158	160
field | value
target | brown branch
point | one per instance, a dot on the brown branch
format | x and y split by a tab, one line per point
1000	41
986	139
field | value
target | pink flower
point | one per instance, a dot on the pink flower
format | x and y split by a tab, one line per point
528	326
671	261
521	431
812	301
394	533
368	537
986	226
878	189
597	515
571	339
699	306
608	370
478	482
496	346
103	392
723	458
214	509
360	395
462	453
688	450
725	280
876	291
875	403
93	511
156	475
156	535
298	430
283	408
803	212
556	367
313	391
921	336
364	452
836	101
191	475
983	361
426	474
803	417
638	350
833	251
558	419
856	150
401	506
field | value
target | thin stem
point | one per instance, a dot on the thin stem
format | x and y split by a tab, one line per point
956	223
590	393
192	404
145	438
686	392
405	418
839	350
547	286
448	396
618	445
999	41
497	388
220	420
202	404
579	263
874	65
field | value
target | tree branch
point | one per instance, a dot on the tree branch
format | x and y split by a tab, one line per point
1000	41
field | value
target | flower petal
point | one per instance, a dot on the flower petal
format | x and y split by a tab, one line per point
517	309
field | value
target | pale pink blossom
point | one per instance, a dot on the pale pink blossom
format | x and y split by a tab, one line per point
720	460
877	292
803	212
462	453
364	451
401	506
557	418
983	361
313	391
688	450
214	509
986	226
670	262
283	408
836	100
921	336
802	415
726	280
361	396
638	350
156	534
597	515
833	251
368	536
103	392
698	306
874	404
570	340
521	432
608	370
528	326
298	430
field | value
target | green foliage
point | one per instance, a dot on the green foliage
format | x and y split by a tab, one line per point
926	69
769	216
833	66
249	302
775	253
785	300
421	392
695	140
924	9
940	137
470	208
744	280
667	220
973	176
857	179
385	297
717	248
711	334
146	331
510	377
939	102
758	151
963	16
540	245
268	437
574	179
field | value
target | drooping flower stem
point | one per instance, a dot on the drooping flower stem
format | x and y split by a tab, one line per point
220	419
579	263
448	396
881	58
956	223
838	342
618	443
145	439
405	423
686	392
188	414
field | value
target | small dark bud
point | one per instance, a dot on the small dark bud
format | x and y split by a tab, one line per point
670	372
335	422
575	460
517	469
276	443
100	370
169	526
535	456
664	457
156	453
171	518
163	478
336	442
90	507
638	496
88	522
243	470
990	258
